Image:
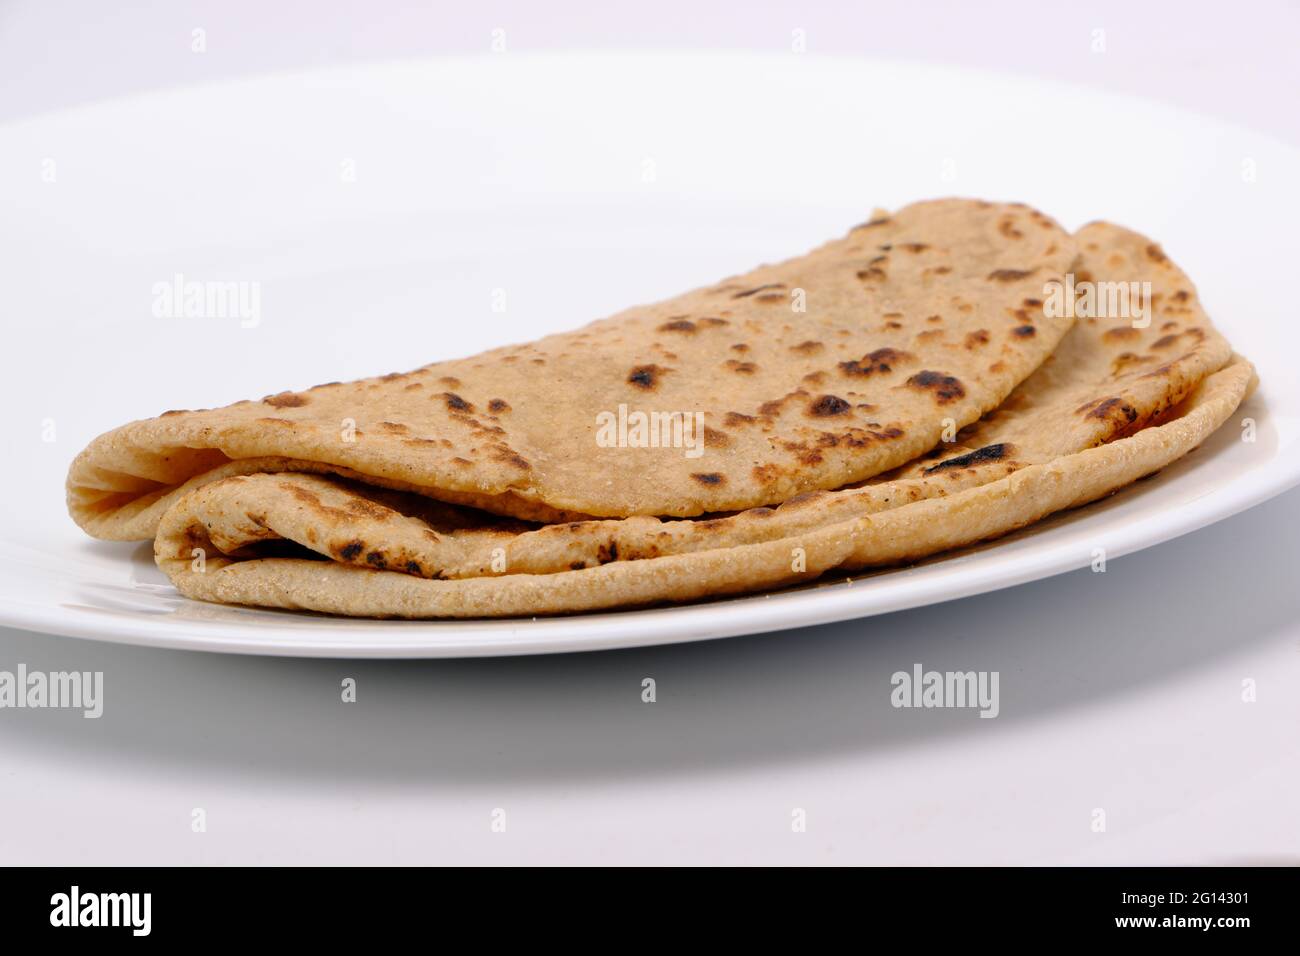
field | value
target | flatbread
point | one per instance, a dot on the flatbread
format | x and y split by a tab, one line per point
911	324
901	534
1111	377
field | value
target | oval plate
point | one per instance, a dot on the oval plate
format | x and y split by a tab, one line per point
394	214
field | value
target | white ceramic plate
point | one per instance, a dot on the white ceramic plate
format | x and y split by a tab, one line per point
381	209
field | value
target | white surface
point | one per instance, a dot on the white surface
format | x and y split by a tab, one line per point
486	173
1120	690
1188	53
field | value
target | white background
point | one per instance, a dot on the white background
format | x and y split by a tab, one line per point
1120	691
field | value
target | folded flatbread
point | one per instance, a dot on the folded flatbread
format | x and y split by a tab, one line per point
807	375
842	437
